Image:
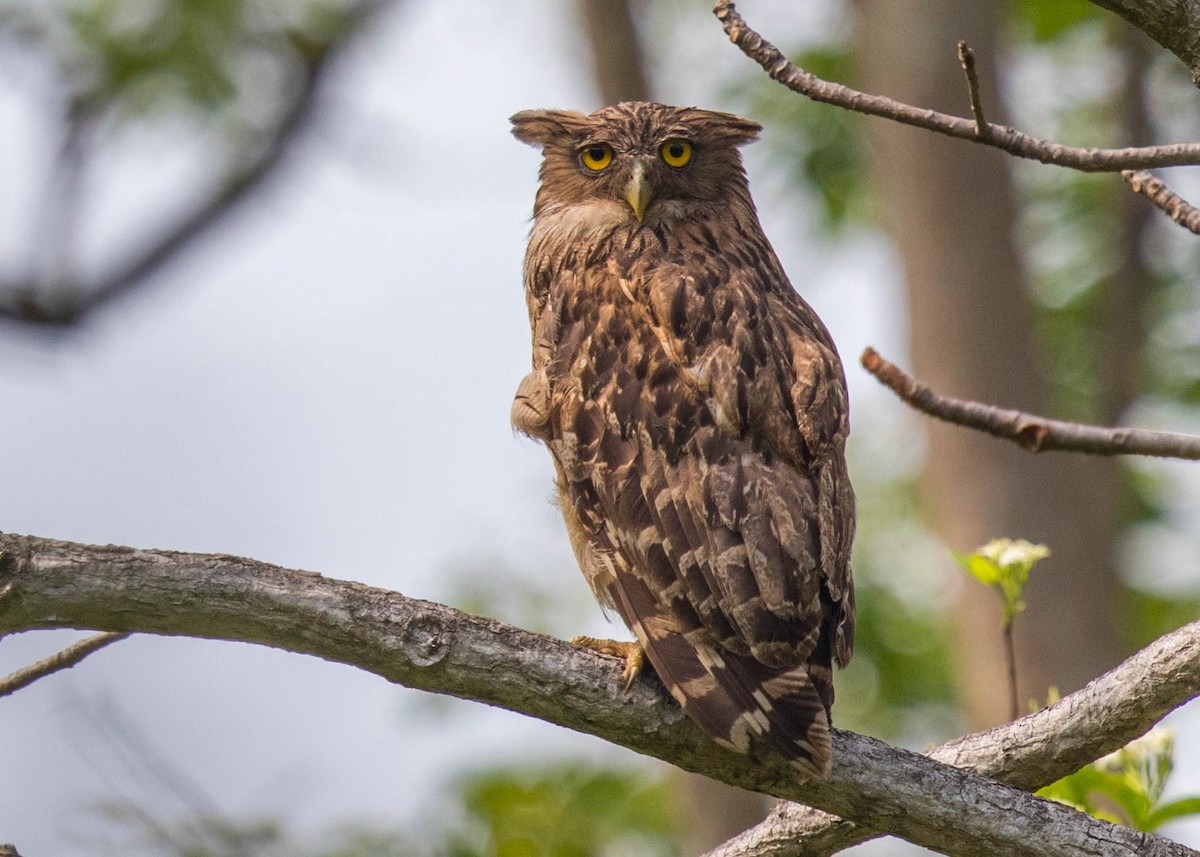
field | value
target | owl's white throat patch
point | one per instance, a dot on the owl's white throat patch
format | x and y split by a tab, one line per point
582	221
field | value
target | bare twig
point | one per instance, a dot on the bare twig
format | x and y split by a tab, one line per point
1034	433
999	136
966	58
1030	753
1176	207
65	659
46	583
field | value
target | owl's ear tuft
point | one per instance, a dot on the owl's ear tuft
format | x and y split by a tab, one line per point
544	127
734	130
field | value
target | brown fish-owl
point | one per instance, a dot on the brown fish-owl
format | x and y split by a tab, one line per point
696	411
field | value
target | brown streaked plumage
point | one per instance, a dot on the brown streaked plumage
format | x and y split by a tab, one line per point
696	411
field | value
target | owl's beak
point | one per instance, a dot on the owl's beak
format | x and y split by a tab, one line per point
638	192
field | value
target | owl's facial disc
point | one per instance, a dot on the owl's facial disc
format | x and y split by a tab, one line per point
638	191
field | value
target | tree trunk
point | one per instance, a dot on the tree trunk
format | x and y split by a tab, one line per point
951	209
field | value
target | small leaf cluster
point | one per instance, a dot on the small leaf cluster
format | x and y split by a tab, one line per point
1004	565
1126	787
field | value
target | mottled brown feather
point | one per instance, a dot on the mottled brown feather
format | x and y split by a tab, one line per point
696	410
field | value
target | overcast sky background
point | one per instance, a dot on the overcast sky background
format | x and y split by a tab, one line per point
324	383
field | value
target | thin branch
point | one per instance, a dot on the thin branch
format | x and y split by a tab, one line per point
999	136
1010	655
63	660
1176	207
47	584
1030	753
966	58
1034	433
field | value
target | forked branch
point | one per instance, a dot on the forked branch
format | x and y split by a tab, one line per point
52	584
57	662
999	136
1034	433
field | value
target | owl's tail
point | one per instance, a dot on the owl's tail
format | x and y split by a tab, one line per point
732	697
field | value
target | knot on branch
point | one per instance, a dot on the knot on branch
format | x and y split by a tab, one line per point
425	639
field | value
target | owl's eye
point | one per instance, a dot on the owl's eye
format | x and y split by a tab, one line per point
596	157
676	153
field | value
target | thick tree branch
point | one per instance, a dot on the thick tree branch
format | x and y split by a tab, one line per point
1174	24
1030	753
1034	433
51	584
65	659
1155	190
999	136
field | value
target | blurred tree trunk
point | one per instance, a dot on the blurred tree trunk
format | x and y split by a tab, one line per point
617	65
714	812
952	213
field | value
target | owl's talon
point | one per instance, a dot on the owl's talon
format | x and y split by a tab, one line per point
632	652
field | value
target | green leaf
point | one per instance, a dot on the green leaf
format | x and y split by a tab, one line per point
1180	808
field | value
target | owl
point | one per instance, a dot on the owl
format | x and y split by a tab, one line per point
696	412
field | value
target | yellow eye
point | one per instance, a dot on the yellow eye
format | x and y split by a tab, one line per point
597	156
676	153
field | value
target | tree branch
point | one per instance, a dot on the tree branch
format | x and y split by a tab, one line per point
999	136
52	584
63	660
1030	753
1034	433
1174	24
1175	206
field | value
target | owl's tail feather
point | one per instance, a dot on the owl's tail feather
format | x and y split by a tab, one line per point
785	709
731	697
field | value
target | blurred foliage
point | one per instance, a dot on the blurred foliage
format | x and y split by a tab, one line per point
900	684
1042	22
825	154
568	810
1126	787
240	60
142	51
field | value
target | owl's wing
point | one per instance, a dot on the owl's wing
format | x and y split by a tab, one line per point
642	561
683	463
768	372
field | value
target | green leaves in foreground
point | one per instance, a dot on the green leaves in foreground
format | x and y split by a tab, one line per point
1004	565
1126	787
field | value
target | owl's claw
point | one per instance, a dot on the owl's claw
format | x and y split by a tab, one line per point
633	654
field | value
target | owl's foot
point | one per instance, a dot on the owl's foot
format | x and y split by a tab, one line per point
633	654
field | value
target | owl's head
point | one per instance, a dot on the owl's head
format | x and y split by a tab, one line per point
660	162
